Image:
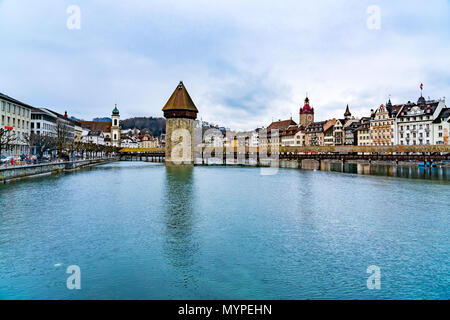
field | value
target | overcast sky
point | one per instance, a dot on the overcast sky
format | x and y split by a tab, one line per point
244	63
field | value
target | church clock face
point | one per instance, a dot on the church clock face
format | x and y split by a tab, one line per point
309	117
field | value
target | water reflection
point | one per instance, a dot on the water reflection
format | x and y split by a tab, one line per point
180	244
412	172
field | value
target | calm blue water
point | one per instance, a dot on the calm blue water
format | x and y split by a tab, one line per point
141	231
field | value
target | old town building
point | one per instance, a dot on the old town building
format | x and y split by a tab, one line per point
363	137
148	141
300	137
288	136
15	118
441	127
328	133
65	127
338	132
314	134
94	137
43	122
383	125
111	130
350	133
415	121
278	127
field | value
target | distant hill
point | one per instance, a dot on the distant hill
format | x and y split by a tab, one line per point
155	125
106	119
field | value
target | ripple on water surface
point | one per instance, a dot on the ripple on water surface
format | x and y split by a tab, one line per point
144	231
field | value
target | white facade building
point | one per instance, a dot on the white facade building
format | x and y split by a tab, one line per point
95	137
43	122
415	122
15	116
441	127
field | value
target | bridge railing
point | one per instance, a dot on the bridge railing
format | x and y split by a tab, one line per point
306	149
333	149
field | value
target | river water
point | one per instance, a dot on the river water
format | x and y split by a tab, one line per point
144	231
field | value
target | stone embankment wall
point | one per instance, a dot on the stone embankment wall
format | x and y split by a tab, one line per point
19	172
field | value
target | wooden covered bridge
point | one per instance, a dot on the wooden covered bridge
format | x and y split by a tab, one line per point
428	153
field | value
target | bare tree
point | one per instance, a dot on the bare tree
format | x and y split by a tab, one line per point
64	137
7	139
79	147
40	142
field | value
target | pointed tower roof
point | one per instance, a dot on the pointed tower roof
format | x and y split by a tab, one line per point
180	100
306	107
347	112
389	103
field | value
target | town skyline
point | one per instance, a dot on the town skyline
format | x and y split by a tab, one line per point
292	115
218	158
134	54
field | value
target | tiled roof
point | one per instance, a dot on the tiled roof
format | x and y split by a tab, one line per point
428	108
315	127
180	100
394	110
364	126
10	99
97	125
445	114
329	124
94	133
291	130
351	123
281	125
63	117
43	111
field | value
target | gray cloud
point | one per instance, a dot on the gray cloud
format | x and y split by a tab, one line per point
244	62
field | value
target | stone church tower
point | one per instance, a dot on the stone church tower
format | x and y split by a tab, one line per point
115	127
180	113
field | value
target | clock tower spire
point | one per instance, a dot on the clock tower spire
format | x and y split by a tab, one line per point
306	113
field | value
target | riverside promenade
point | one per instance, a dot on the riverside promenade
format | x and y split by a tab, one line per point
16	172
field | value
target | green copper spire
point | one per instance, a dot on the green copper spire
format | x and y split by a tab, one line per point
115	111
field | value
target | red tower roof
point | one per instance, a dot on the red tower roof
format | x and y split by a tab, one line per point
307	109
347	112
